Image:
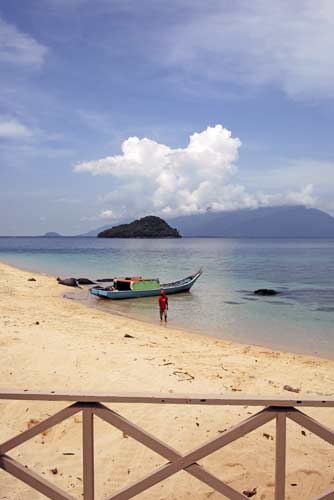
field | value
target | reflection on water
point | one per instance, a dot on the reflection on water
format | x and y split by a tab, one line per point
221	303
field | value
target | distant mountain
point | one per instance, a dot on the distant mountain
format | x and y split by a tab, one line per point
94	232
147	227
268	222
52	234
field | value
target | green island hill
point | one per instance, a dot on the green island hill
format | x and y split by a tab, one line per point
147	227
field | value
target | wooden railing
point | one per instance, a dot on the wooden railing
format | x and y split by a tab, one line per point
91	405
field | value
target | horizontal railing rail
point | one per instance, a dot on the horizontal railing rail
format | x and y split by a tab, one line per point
139	397
91	405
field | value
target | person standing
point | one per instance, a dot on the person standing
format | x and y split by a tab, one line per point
163	306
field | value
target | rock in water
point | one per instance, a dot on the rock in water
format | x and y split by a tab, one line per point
68	282
266	292
147	227
85	281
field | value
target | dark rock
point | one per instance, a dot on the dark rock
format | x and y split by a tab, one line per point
32	279
291	389
68	282
147	227
250	493
85	281
105	280
127	336
231	302
266	291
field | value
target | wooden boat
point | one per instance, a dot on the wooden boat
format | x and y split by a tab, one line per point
135	287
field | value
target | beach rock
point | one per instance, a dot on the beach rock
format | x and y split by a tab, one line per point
183	375
85	281
68	282
128	336
265	292
32	279
291	389
250	493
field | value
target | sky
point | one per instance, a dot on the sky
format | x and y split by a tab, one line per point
115	109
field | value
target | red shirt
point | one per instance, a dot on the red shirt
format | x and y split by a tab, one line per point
163	302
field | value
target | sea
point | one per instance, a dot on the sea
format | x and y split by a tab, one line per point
222	303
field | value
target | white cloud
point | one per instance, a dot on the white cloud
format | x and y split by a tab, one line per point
11	128
285	44
107	214
303	197
287	174
153	178
17	47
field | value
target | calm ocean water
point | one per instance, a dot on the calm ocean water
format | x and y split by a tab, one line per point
221	303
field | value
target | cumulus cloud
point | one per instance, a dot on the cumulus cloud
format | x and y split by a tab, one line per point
154	178
107	214
304	197
285	44
11	128
17	47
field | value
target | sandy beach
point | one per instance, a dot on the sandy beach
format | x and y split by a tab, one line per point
51	343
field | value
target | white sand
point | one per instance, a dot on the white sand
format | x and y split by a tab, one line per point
74	348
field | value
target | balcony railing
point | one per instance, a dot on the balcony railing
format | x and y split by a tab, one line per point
91	405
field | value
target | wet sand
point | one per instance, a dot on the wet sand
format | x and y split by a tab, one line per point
51	343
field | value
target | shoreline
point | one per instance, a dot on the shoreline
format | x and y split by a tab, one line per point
198	332
177	327
48	343
186	330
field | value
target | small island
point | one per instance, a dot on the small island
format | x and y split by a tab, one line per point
52	234
147	227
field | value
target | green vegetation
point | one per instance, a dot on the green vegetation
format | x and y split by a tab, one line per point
147	227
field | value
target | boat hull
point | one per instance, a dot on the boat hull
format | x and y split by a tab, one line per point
170	288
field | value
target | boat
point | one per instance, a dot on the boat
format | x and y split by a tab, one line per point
136	286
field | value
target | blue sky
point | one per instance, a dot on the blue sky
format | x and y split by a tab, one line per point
251	82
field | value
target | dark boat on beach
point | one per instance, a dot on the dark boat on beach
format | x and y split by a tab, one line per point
135	287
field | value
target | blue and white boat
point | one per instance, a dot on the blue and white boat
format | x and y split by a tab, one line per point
135	287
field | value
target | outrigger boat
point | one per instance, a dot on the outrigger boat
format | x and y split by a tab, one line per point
134	287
